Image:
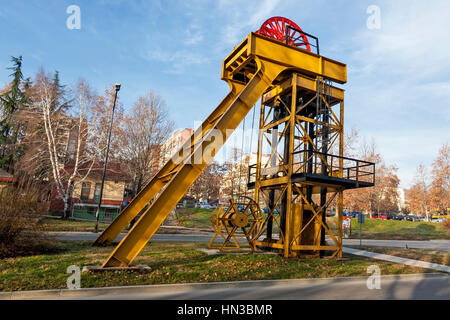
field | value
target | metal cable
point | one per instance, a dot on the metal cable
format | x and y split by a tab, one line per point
242	151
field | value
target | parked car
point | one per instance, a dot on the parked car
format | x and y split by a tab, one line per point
266	210
411	218
331	213
381	216
399	217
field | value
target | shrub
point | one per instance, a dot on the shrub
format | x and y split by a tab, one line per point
20	231
447	224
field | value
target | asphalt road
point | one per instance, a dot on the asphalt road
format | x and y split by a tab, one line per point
427	288
442	245
430	286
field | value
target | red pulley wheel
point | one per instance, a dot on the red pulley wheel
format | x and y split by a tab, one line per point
275	28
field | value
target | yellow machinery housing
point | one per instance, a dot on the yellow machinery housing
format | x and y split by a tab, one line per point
258	67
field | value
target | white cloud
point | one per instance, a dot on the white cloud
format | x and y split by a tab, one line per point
244	17
399	83
193	35
176	61
412	40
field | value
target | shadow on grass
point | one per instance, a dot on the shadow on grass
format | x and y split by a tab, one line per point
182	261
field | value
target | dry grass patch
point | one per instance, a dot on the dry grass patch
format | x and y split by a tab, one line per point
175	263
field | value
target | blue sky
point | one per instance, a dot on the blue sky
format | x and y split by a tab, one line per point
398	89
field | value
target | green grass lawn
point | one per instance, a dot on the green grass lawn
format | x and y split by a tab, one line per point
401	230
194	217
434	256
396	230
50	224
174	263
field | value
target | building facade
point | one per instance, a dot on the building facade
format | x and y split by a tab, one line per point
174	143
86	193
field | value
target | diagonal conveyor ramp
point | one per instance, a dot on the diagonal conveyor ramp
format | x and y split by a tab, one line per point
250	70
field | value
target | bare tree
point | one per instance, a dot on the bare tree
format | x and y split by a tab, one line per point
101	111
66	136
383	197
418	195
34	163
144	130
234	181
440	175
207	186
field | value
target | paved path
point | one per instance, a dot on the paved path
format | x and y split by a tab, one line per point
175	237
443	245
423	286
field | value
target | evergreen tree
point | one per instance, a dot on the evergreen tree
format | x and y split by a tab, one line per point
10	102
60	103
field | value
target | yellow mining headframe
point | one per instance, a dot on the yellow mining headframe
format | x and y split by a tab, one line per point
301	122
296	111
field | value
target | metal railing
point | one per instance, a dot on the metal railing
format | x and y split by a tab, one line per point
321	164
297	36
251	175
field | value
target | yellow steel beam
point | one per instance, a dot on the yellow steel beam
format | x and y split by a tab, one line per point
155	214
274	181
306	119
296	58
240	50
269	244
290	208
340	219
158	182
305	83
313	247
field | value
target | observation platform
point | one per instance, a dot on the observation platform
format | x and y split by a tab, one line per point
354	174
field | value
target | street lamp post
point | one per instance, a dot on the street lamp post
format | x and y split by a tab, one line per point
97	213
